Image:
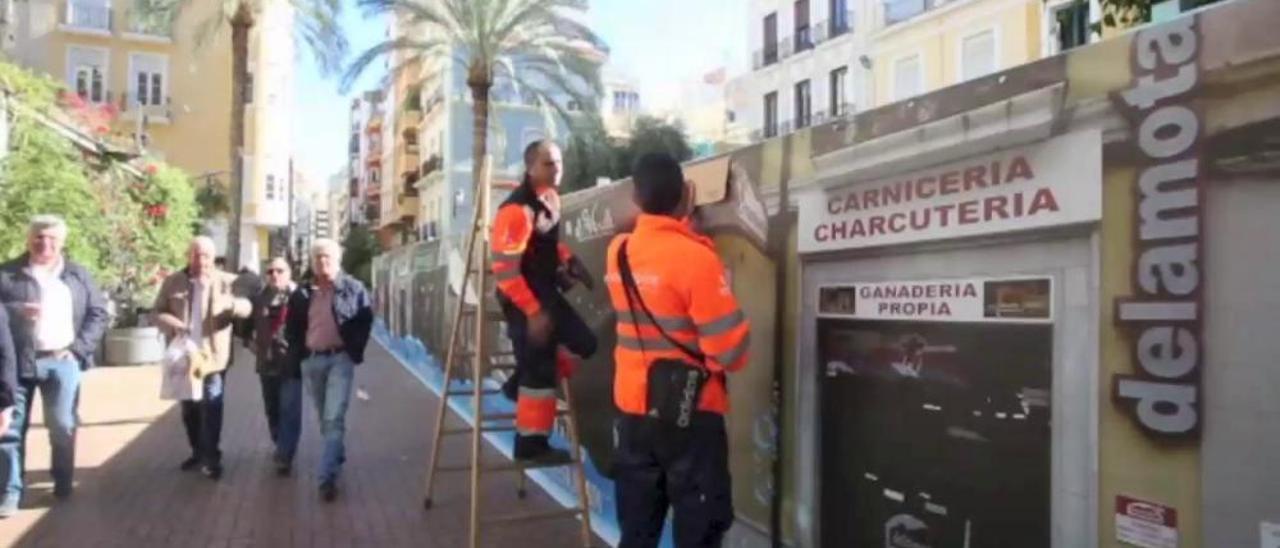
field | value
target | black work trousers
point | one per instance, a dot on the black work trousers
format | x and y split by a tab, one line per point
657	467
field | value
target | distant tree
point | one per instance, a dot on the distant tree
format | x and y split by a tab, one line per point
1127	13
358	250
652	135
589	154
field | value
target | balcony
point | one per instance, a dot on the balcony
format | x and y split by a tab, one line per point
832	29
897	11
150	27
89	16
803	39
431	165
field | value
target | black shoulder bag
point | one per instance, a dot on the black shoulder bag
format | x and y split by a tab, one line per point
675	385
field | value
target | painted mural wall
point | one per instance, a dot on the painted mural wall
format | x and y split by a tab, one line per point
1186	382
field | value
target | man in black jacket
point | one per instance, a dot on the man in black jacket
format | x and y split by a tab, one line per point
278	371
8	374
328	328
57	317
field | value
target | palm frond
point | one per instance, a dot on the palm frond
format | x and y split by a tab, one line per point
316	24
362	62
425	12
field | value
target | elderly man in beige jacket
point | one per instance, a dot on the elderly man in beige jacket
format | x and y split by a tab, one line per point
198	302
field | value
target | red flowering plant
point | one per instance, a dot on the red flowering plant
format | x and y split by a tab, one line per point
155	220
94	117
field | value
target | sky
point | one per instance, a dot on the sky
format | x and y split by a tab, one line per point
692	38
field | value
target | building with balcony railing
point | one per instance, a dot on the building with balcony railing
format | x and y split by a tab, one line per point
804	65
813	60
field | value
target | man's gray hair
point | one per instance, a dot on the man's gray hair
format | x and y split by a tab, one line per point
45	222
202	241
325	244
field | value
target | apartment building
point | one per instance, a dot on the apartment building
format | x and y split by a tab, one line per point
365	157
619	104
443	177
804	65
814	60
171	94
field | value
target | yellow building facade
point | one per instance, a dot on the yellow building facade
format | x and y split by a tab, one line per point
110	56
925	45
172	93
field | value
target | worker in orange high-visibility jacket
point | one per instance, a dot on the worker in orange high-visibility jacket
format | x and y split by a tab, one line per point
531	267
681	282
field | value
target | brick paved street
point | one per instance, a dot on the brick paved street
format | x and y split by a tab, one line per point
130	492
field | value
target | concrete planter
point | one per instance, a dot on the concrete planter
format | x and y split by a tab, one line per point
133	345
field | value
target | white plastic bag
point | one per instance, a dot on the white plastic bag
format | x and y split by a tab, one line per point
177	382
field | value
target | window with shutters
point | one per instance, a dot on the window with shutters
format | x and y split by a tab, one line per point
839	82
87	73
771	114
977	55
908	77
804	104
148	80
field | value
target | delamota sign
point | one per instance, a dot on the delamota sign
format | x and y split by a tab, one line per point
1165	317
1056	182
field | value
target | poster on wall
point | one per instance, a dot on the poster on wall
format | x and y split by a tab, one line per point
1145	524
936	420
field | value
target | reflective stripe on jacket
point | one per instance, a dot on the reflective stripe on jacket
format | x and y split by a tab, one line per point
682	282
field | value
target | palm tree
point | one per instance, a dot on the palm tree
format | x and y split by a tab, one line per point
534	47
315	24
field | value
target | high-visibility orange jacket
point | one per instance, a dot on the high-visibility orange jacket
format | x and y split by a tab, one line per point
526	246
682	282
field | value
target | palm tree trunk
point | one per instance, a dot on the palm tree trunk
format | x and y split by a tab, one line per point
479	79
241	24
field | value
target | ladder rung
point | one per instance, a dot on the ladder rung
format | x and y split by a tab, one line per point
470	392
560	412
532	516
487	428
503	466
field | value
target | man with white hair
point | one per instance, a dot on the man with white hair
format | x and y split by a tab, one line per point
328	327
57	316
198	302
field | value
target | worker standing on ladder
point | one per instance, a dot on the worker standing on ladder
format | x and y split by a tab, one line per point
679	330
531	266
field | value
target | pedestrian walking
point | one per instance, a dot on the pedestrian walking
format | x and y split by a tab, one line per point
197	302
278	372
56	316
328	326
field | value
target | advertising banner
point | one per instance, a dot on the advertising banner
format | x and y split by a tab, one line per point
897	395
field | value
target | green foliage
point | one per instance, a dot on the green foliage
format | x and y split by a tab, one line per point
1128	13
358	250
589	153
127	228
44	173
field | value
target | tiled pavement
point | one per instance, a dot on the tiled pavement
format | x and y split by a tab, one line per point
130	493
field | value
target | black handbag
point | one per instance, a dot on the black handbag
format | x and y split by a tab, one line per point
675	385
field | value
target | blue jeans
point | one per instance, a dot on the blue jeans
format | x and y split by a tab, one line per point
329	380
282	401
59	385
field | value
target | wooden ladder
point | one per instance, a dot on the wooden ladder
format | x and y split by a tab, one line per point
479	321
